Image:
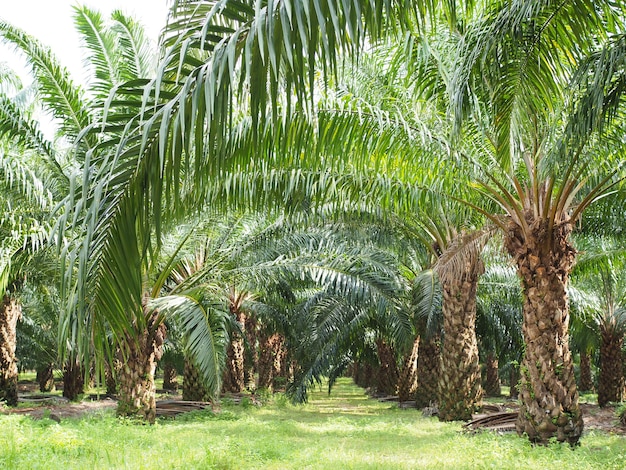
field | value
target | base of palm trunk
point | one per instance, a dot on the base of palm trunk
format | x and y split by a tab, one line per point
543	419
387	382
492	377
428	366
137	392
234	374
9	315
8	386
549	399
170	377
407	382
73	380
611	376
460	391
45	378
138	358
586	380
193	386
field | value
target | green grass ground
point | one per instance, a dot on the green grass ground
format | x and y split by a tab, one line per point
344	431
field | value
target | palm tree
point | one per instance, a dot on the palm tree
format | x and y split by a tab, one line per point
219	52
542	179
600	281
24	200
499	322
117	53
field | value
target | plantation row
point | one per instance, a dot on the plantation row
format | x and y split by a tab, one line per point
281	192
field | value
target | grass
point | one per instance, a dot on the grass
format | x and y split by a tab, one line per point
343	431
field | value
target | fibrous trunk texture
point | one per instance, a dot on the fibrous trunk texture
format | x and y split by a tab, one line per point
193	386
110	379
459	381
428	367
139	356
387	369
549	399
11	313
280	367
407	382
234	376
73	379
492	376
586	380
514	381
251	358
45	377
269	356
611	376
363	374
170	377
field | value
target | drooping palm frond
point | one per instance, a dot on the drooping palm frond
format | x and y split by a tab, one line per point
16	125
204	322
137	57
520	56
102	54
499	312
57	91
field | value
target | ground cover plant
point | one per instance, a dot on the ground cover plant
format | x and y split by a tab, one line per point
344	430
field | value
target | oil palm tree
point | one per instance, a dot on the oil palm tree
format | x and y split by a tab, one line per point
230	50
25	200
542	177
600	280
117	53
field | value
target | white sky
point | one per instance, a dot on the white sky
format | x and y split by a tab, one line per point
51	21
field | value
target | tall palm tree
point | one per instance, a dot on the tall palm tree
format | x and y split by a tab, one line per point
600	279
542	178
117	53
24	203
219	52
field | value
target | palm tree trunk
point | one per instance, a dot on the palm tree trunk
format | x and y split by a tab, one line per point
407	382
45	377
270	346
387	369
193	387
139	356
279	366
363	374
514	381
586	380
428	367
549	399
110	376
170	377
73	379
459	382
251	358
234	377
11	313
611	376
492	376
